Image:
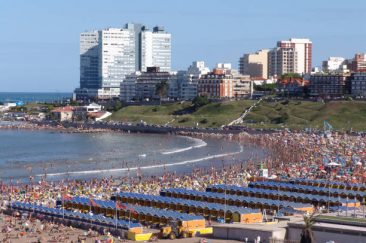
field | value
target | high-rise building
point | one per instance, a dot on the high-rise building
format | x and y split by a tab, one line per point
89	60
359	63
292	56
255	64
117	59
156	49
108	55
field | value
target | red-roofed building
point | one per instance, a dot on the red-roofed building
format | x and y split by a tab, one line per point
293	86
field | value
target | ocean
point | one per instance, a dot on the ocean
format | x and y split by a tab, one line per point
83	155
28	97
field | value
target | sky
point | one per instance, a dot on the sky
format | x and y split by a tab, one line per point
39	40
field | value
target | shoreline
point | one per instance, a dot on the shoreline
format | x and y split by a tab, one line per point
182	166
123	128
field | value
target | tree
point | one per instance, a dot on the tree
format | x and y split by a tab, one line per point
117	105
265	87
200	101
290	75
161	89
307	235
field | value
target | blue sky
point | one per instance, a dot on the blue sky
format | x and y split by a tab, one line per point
39	40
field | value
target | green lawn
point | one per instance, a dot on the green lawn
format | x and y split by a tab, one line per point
212	115
159	114
342	115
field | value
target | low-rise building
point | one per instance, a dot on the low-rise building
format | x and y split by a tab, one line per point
69	113
128	87
82	112
188	80
142	85
358	84
216	84
243	86
62	113
292	86
224	82
329	85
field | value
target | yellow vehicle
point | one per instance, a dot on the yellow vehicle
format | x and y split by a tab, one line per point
173	231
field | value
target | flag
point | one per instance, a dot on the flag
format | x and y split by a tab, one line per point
120	206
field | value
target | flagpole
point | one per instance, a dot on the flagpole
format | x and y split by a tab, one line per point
116	214
63	207
90	211
129	218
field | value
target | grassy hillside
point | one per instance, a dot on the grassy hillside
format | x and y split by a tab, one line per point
342	115
299	114
211	115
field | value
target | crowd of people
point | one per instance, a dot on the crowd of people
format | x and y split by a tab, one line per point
338	157
331	156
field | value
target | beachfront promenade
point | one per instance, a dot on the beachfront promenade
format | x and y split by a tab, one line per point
133	128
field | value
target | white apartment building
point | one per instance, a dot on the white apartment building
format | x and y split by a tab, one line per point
188	80
156	49
198	68
108	55
333	64
117	59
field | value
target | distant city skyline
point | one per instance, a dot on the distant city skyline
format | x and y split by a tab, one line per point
108	55
39	46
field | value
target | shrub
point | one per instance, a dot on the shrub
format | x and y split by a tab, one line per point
203	121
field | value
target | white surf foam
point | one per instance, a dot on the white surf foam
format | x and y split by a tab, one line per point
146	167
198	143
